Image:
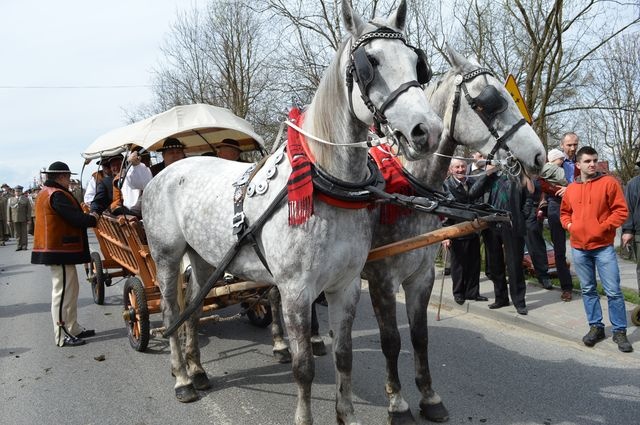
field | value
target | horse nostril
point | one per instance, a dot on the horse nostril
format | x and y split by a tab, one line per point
539	160
420	134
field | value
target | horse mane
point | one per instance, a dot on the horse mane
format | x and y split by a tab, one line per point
324	119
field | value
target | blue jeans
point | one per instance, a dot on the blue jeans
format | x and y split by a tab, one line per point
605	261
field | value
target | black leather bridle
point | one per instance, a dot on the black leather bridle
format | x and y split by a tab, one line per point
362	71
487	105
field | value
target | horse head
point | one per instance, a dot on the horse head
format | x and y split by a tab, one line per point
388	74
481	114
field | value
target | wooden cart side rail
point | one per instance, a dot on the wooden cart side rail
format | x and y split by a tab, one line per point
113	244
135	251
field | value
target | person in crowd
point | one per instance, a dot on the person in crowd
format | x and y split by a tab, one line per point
229	149
569	146
506	242
172	150
478	166
127	196
33	194
19	216
593	206
95	179
631	227
465	250
534	238
76	190
61	242
4	216
104	189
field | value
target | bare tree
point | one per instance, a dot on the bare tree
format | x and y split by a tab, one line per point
615	126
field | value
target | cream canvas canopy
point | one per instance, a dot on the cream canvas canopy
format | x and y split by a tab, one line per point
200	127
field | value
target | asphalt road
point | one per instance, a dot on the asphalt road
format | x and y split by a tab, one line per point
487	373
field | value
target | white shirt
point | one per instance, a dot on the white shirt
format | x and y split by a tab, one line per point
138	176
91	191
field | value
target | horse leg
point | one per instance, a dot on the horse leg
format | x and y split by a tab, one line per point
383	299
280	348
201	272
297	317
417	295
342	312
167	275
317	343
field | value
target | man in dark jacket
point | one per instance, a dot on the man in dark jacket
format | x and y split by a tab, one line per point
505	242
172	151
104	188
60	241
631	227
465	250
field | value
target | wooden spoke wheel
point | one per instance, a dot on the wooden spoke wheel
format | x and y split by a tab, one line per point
635	316
136	314
259	315
96	278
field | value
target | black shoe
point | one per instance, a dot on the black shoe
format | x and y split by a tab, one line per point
620	338
522	310
70	341
479	298
497	304
596	334
86	333
459	300
546	284
447	271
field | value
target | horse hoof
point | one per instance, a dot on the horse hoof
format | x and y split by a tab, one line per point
282	356
434	412
186	394
401	418
200	381
318	348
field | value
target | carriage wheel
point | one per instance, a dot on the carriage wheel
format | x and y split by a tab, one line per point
136	314
259	315
635	316
95	277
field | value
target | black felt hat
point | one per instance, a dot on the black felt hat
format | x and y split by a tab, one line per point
171	143
230	143
58	167
108	159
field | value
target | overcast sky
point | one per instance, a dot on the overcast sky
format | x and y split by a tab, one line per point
72	43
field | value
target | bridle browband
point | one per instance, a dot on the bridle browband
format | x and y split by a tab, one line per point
486	105
361	70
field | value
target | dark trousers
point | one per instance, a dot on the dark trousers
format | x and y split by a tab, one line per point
465	267
535	244
559	240
506	249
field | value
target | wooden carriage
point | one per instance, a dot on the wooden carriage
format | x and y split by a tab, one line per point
122	240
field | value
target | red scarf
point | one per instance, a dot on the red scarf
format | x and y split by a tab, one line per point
396	182
300	184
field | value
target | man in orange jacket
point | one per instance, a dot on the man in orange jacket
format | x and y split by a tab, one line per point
593	206
60	242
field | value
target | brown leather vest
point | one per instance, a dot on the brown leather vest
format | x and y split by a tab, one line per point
52	233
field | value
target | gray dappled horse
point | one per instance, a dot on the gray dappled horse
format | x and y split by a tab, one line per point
188	209
414	270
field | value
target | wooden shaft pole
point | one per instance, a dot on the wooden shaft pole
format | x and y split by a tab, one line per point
438	235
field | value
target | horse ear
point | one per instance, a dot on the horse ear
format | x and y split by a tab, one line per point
399	18
352	21
455	58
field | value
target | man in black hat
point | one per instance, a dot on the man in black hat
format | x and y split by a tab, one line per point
19	209
172	151
631	227
104	188
96	177
61	242
229	149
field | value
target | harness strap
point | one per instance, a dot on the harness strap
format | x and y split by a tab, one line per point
502	140
397	92
224	263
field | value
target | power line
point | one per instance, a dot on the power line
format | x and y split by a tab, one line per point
75	87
